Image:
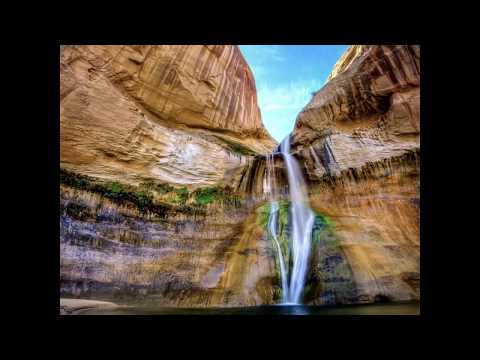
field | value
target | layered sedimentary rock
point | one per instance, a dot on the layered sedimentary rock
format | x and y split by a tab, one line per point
214	257
177	118
178	114
158	118
359	141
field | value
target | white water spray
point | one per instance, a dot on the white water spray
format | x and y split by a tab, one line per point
272	227
302	219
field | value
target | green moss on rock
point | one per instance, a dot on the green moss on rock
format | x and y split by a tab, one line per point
182	195
329	276
158	198
208	195
204	196
116	192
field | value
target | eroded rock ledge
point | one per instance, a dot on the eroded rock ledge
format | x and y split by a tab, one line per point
359	142
162	245
186	115
80	306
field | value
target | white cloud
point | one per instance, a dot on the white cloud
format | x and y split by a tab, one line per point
279	101
272	107
294	95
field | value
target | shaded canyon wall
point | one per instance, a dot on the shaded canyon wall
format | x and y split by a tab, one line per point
359	140
141	129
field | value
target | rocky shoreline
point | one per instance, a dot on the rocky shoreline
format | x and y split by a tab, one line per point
80	306
95	307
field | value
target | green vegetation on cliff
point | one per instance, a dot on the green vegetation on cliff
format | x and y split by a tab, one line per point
152	197
182	195
119	193
208	195
204	196
112	190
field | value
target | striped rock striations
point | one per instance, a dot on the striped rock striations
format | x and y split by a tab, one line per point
178	114
179	129
210	256
359	141
141	129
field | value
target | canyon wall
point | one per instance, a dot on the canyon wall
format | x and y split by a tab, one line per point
214	255
359	141
178	114
141	129
163	176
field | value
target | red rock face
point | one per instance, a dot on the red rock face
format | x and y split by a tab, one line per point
359	141
369	110
367	81
182	115
137	113
172	113
199	85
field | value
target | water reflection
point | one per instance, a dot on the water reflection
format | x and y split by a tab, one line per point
373	309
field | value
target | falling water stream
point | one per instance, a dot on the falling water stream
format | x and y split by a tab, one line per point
302	219
272	228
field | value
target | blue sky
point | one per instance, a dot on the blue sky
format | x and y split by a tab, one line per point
285	76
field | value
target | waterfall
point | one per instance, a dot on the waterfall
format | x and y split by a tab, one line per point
272	227
269	178
302	219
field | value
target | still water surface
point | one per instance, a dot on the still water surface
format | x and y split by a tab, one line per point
373	309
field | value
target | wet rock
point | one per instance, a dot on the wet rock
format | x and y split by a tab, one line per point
359	138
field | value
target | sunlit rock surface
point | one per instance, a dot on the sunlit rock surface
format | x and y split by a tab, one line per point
178	114
78	306
359	140
187	116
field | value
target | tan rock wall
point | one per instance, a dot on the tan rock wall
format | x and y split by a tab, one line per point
112	251
168	113
376	219
359	142
176	113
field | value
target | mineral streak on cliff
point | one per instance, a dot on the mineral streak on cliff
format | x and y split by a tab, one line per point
162	116
208	258
359	138
179	114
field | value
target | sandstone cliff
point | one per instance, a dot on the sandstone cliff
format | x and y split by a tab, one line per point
136	124
212	255
177	114
359	140
143	121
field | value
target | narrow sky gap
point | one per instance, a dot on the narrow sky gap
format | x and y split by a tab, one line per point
286	76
